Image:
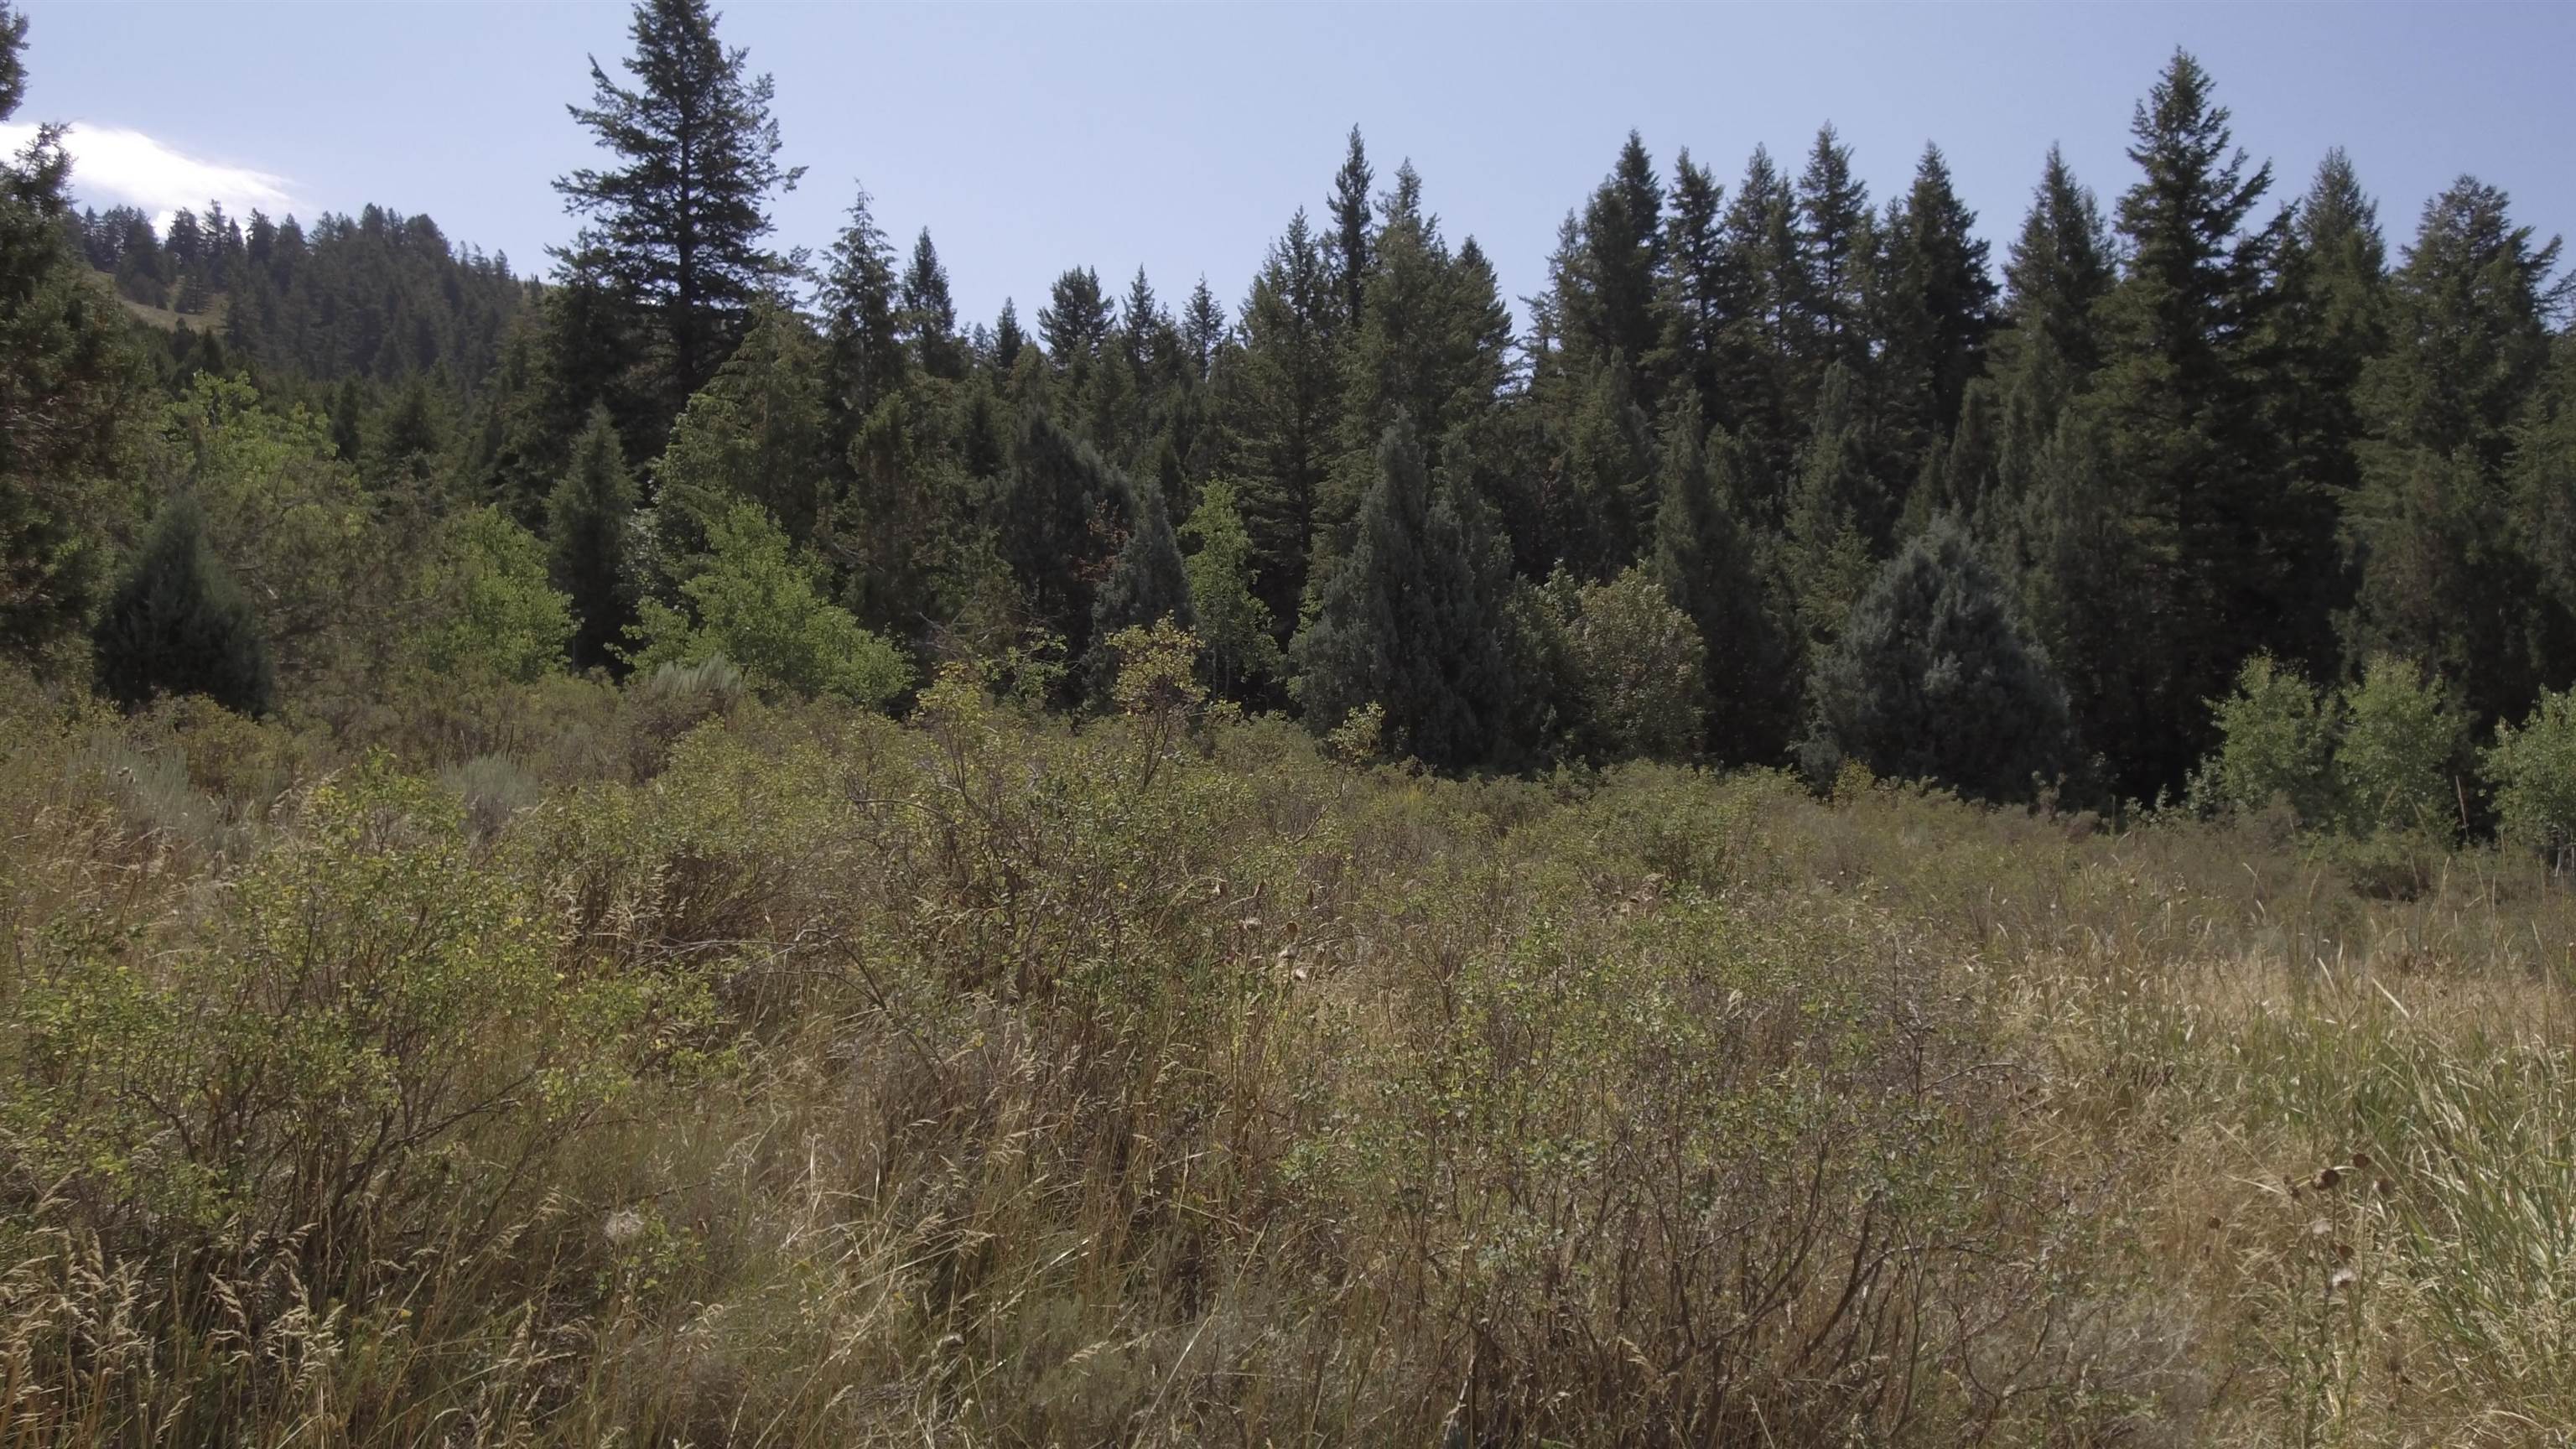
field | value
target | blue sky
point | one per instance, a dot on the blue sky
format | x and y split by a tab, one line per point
1181	136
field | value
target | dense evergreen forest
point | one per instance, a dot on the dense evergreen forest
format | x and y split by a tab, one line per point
1772	471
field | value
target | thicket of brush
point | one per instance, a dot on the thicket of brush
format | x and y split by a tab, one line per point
661	1067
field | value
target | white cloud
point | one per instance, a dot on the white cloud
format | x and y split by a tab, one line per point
112	166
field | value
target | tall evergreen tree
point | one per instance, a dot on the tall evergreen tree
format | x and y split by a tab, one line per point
2329	318
1433	346
862	320
1607	298
2216	521
679	221
1148	583
1701	291
1053	522
1409	622
1202	330
1280	408
1008	339
69	383
177	624
2442	580
1836	245
1709	565
1349	246
588	516
929	318
1933	304
1934	679
1839	515
759	432
1758	341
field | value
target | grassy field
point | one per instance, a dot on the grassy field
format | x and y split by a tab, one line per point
662	1068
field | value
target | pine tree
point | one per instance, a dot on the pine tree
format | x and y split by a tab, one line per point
1008	339
2329	318
1349	248
70	389
1609	466
1836	245
1074	326
862	328
1433	347
929	317
176	624
759	432
1699	293
1933	305
588	516
1146	585
1202	330
2442	580
2055	276
1934	680
679	221
2213	518
1757	338
1279	407
1839	515
1051	523
2544	514
1607	300
1409	621
1708	563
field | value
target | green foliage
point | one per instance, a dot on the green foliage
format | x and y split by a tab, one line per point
1232	621
1933	679
2532	771
287	515
1148	582
1640	670
70	391
321	1058
757	433
1411	621
756	602
1705	557
678	222
2443	577
489	606
177	624
589	518
2277	736
2399	762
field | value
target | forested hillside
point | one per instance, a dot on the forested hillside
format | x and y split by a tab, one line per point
1825	833
1732	490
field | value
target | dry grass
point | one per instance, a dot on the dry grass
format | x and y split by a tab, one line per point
974	1081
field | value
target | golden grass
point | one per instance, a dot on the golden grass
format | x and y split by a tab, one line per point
991	1082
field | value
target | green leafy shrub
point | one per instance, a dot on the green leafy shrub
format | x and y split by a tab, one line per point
758	604
2276	741
369	1033
2532	771
2399	759
488	606
1639	670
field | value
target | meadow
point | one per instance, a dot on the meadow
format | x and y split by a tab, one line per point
577	1065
